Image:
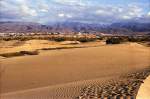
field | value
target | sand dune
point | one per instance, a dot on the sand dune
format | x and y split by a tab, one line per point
30	45
144	90
62	91
65	72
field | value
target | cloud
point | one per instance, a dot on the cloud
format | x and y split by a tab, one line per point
126	17
70	10
148	14
69	16
20	7
71	2
61	15
27	11
101	12
121	13
43	7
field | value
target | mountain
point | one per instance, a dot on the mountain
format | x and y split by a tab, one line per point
67	27
57	27
79	27
23	27
133	26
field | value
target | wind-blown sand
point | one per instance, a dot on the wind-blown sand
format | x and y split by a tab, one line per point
62	74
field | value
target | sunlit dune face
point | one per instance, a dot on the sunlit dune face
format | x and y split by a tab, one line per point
64	66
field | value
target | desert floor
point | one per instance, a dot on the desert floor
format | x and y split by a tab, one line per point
63	73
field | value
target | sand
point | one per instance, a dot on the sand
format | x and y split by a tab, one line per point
126	87
143	92
62	74
31	45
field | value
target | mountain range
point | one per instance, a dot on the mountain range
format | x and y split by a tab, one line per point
67	27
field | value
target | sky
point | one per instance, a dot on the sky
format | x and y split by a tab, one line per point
87	11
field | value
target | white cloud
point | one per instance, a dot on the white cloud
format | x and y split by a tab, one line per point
76	10
69	16
67	1
134	11
119	13
28	11
43	7
61	14
148	13
43	10
100	12
20	7
120	10
71	2
20	1
6	6
126	17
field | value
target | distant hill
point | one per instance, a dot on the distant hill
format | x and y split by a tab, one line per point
23	27
119	28
133	26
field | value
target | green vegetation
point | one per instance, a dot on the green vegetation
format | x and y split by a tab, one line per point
139	39
121	39
59	39
114	40
84	39
109	39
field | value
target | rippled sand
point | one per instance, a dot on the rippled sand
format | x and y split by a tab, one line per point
62	73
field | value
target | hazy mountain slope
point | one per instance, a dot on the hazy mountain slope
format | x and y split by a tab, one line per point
120	28
133	26
22	27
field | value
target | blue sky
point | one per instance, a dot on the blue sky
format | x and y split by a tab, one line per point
89	11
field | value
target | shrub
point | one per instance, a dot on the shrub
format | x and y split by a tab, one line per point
7	39
139	39
113	41
11	54
59	39
85	39
145	38
21	53
100	38
133	39
24	38
29	52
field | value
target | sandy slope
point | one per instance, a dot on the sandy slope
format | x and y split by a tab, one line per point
143	92
62	91
16	46
66	71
